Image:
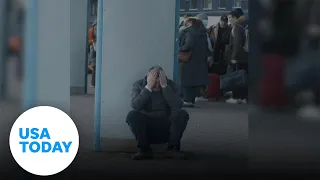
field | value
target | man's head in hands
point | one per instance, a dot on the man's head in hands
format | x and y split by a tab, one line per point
156	78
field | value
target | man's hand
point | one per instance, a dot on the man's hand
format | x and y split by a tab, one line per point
151	78
163	79
233	61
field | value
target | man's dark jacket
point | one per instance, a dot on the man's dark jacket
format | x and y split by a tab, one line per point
235	49
141	97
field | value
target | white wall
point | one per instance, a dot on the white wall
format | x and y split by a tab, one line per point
53	66
129	50
78	27
61	41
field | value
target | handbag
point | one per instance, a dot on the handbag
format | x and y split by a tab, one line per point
184	56
233	80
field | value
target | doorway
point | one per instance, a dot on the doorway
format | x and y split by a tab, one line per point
89	77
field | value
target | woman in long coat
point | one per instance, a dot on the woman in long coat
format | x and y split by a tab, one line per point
194	73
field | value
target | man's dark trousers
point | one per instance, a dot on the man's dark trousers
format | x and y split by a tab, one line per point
149	130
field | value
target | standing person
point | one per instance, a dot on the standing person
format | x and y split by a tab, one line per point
92	38
236	56
182	34
242	20
16	23
203	18
219	36
183	26
202	90
194	73
185	18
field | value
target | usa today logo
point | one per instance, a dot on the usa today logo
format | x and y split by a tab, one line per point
44	141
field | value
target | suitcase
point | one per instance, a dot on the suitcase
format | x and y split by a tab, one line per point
213	91
272	91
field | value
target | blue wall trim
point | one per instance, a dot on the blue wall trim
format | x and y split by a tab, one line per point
97	111
176	42
31	56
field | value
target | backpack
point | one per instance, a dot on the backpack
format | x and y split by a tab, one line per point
91	35
90	38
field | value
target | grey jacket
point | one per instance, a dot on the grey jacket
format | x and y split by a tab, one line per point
141	100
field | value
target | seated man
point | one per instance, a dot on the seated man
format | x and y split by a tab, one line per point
157	116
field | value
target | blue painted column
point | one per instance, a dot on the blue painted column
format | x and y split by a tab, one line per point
31	56
47	50
98	100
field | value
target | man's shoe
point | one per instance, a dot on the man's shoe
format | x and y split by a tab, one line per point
187	105
233	101
243	101
309	112
175	154
201	99
142	156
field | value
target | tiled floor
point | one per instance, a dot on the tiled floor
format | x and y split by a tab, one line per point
216	137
